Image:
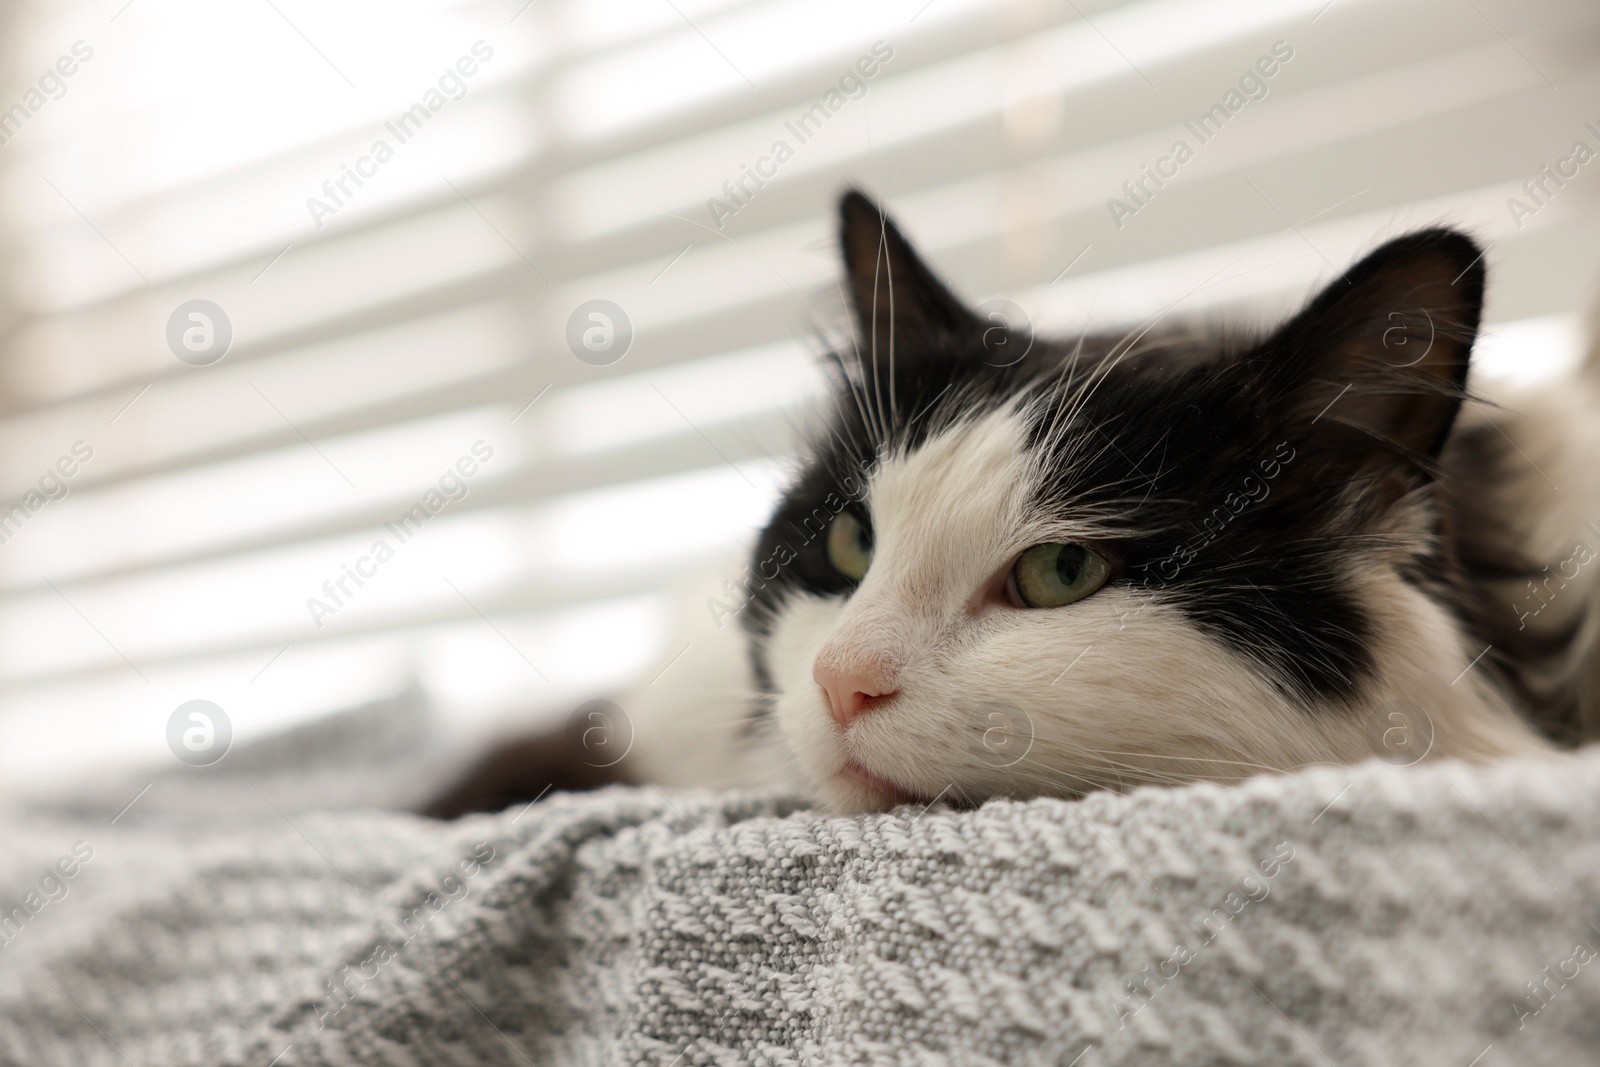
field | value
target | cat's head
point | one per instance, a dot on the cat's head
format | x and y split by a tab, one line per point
1013	566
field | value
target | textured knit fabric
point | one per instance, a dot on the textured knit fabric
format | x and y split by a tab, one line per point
1375	915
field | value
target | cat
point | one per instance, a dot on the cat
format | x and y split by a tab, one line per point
1013	566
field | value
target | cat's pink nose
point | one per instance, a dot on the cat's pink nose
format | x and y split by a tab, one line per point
851	694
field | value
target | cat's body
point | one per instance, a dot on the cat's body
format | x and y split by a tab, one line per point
1010	566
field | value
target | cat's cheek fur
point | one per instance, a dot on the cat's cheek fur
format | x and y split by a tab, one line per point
1430	699
1146	700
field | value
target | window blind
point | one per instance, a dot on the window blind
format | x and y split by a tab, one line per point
383	457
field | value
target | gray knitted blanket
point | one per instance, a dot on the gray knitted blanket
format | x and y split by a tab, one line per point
1376	915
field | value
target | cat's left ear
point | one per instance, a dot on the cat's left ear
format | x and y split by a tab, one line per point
900	304
1384	349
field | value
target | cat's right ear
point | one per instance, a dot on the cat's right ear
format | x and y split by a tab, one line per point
1382	351
900	305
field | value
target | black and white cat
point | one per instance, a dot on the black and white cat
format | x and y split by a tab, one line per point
1011	566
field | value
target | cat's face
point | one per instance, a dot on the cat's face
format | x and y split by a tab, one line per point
1124	560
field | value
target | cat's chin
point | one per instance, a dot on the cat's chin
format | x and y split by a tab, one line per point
856	789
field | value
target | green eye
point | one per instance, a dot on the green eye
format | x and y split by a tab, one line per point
849	546
1050	576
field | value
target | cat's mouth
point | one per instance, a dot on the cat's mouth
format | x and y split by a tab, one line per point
893	795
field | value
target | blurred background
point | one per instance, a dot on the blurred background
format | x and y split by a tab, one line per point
278	273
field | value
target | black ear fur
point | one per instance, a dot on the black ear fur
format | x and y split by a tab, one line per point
1377	362
900	305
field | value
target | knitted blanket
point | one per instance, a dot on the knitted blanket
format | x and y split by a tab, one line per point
1375	915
